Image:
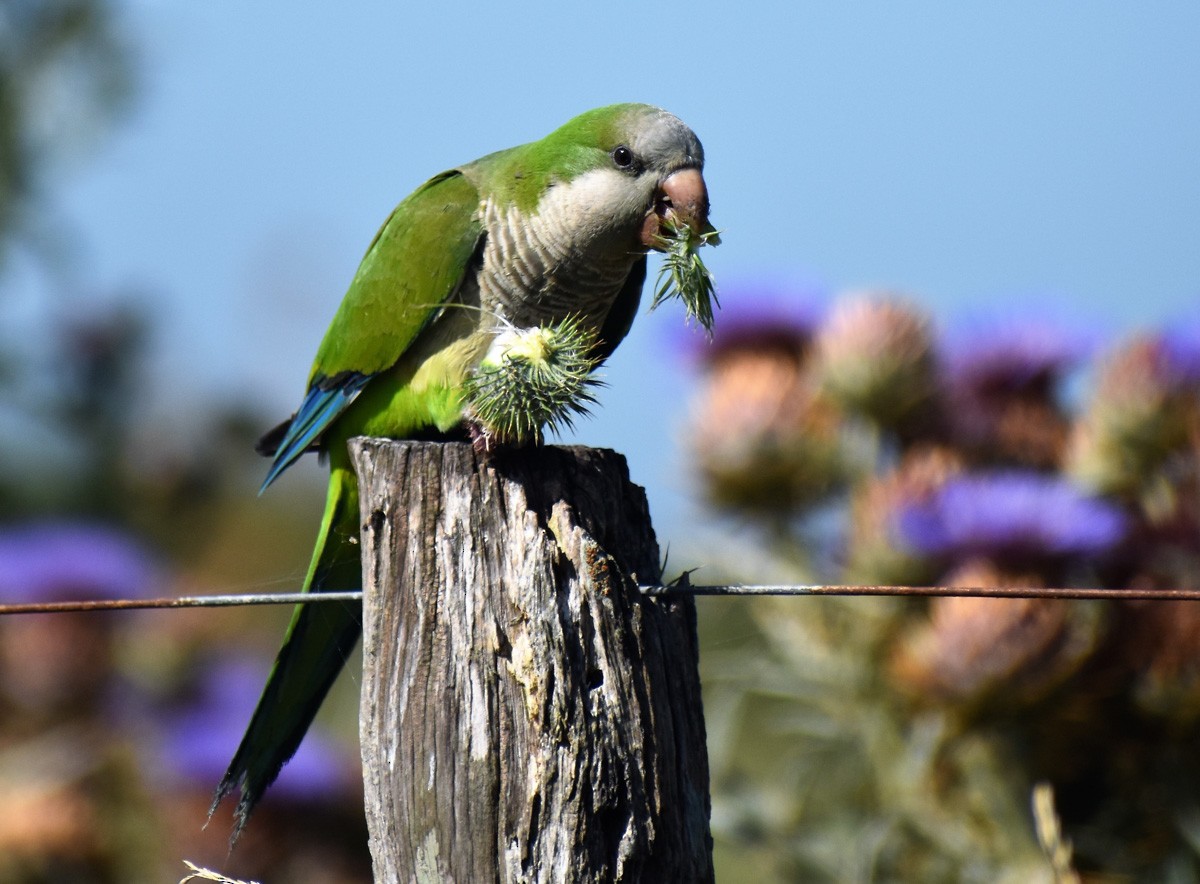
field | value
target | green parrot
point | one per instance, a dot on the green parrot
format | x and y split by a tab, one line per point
546	232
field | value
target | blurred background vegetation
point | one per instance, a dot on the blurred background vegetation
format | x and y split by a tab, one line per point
900	740
858	441
114	727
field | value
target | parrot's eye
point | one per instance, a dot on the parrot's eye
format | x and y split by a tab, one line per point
623	157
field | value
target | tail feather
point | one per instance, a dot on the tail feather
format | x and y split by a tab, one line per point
319	639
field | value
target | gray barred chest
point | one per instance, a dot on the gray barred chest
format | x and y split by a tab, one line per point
539	270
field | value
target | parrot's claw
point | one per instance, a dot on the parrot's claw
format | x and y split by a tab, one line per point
482	441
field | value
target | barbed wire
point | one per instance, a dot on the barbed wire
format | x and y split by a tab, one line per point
678	589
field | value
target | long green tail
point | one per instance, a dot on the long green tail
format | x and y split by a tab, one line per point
318	641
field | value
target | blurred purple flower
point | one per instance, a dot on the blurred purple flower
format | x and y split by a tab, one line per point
51	561
1181	348
1009	353
199	739
1014	513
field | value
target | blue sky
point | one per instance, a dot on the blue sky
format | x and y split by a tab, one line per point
1030	154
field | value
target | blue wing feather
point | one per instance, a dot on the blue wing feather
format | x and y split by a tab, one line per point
326	399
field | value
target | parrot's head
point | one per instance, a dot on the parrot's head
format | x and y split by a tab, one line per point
663	162
631	171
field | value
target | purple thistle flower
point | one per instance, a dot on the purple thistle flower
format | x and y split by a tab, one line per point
1001	378
50	561
199	739
1011	513
1009	353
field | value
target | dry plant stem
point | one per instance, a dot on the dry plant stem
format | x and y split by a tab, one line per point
198	873
1050	835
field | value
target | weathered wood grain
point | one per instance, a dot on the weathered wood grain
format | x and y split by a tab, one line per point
526	714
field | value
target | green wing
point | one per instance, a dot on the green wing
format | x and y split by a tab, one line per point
413	266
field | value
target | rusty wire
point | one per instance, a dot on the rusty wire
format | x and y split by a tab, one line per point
192	601
676	589
1000	592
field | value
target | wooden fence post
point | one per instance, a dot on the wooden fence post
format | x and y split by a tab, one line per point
526	714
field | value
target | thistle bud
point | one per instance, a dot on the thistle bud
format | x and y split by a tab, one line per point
1139	422
874	357
972	645
761	436
1007	651
532	378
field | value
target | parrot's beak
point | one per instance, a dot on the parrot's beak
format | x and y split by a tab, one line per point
681	198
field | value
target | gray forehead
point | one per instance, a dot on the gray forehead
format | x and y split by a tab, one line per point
663	137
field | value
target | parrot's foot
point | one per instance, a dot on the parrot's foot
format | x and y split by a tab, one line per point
487	443
481	440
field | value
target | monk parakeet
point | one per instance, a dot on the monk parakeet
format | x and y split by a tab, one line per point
549	233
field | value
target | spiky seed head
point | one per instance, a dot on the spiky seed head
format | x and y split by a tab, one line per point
683	274
1137	427
874	356
761	438
530	379
970	647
